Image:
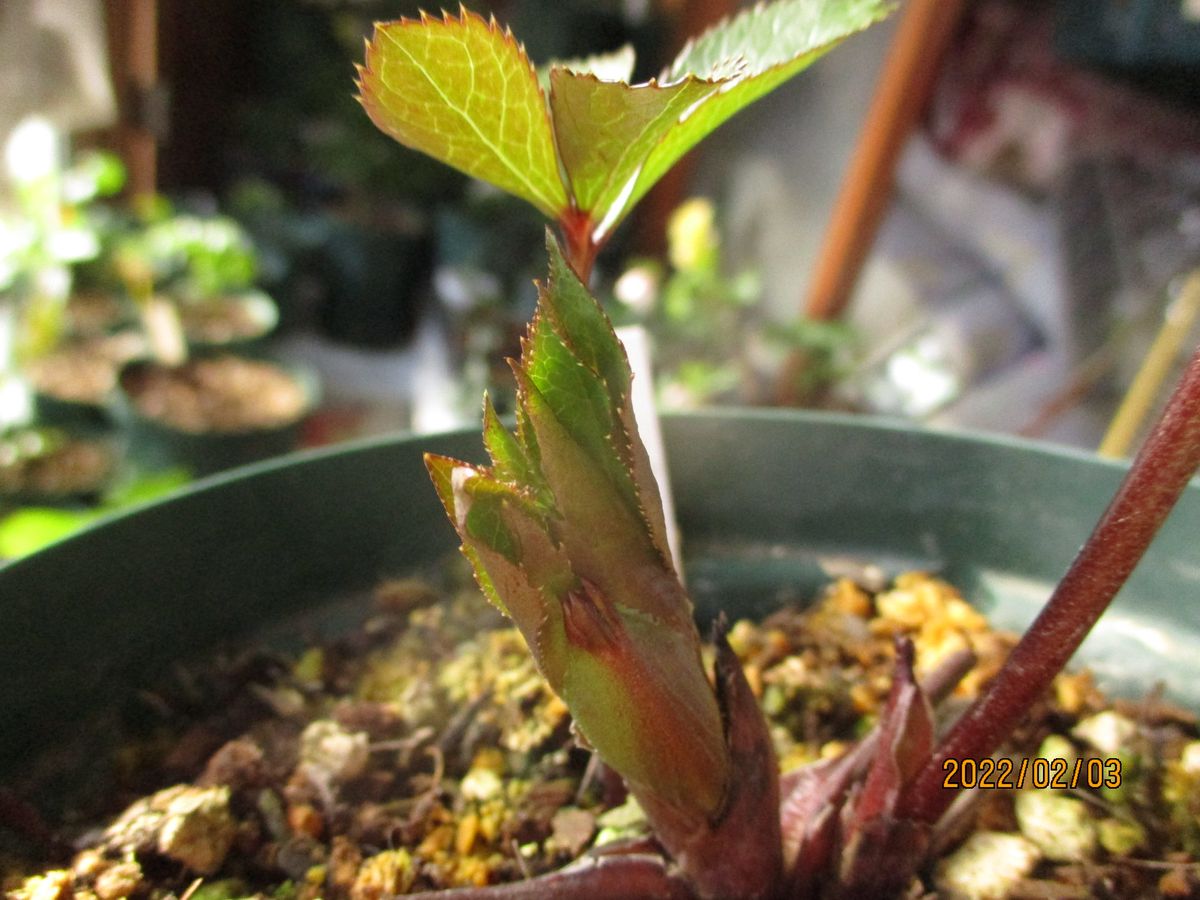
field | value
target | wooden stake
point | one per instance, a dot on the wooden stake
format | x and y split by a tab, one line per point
905	84
903	91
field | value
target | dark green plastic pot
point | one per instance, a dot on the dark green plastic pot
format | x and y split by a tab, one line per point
765	500
373	282
60	413
155	444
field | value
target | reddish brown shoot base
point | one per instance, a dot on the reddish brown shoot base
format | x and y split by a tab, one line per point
1155	481
579	241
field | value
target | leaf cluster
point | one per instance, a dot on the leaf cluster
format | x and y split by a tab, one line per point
583	141
565	531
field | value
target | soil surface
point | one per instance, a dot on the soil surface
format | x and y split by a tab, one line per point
84	371
424	751
218	394
62	469
95	313
220	321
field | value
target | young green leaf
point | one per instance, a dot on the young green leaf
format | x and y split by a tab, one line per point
464	92
589	450
517	563
510	460
618	140
594	343
607	130
770	35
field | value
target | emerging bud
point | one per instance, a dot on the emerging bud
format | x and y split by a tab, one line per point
566	536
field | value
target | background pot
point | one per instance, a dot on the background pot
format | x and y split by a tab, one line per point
256	306
82	393
767	500
370	283
103	445
55	411
155	444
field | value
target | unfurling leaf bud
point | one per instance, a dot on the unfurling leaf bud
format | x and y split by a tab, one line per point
566	536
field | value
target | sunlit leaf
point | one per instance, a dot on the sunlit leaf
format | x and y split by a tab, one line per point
770	35
751	55
463	91
618	140
606	132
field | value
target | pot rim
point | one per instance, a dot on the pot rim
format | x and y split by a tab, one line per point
859	423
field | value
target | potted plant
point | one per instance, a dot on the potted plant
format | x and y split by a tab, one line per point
52	465
192	278
565	535
60	343
58	448
194	401
212	412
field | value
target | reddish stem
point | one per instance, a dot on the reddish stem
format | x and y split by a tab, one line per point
1157	478
603	878
581	248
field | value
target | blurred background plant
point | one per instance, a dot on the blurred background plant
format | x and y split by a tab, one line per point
194	258
189	277
714	340
26	529
71	269
54	226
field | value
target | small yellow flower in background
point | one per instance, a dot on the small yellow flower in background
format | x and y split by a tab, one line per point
692	235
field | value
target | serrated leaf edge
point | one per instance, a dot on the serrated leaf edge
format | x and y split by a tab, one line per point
547	205
759	8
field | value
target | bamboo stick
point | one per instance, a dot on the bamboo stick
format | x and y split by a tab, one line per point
1177	324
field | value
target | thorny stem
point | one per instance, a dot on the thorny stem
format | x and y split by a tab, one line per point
1158	476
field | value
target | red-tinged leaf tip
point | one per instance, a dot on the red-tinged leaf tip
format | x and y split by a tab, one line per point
448	476
906	740
436	464
514	366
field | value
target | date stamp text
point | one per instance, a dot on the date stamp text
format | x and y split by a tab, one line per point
1036	772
